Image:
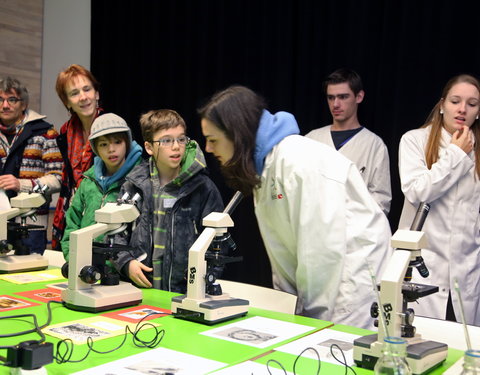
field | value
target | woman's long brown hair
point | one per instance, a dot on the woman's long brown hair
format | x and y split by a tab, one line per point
237	111
435	119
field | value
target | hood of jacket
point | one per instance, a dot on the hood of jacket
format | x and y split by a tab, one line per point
193	162
31	116
271	130
131	160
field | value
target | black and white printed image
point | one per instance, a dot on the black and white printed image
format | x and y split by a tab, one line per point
153	368
344	345
79	332
247	335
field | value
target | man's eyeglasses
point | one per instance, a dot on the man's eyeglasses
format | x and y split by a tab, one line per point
168	142
11	100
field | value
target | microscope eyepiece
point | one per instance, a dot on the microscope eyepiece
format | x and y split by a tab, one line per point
420	216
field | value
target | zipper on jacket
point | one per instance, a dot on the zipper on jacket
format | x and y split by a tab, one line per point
195	227
171	252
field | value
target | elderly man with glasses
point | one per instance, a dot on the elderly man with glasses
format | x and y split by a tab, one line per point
28	153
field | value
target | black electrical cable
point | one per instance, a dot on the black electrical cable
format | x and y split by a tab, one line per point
65	347
65	356
36	329
347	367
278	363
344	363
300	355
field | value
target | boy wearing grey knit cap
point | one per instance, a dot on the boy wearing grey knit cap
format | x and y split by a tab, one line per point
111	140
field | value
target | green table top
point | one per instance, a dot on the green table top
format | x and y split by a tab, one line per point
308	366
180	335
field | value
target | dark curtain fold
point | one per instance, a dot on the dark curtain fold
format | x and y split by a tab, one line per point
175	54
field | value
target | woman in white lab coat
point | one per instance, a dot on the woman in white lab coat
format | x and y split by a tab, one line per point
439	164
318	221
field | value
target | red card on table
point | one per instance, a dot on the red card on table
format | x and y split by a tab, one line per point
12	303
135	314
43	295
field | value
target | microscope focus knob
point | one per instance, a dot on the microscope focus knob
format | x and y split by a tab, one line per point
4	246
374	310
408	331
409	316
215	290
65	270
210	278
90	275
211	287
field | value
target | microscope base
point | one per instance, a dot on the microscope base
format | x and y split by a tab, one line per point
209	310
22	263
20	371
422	355
102	297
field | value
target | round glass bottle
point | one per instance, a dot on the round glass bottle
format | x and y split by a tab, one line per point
471	362
393	360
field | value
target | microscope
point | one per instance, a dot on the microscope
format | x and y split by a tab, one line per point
396	291
24	205
91	285
204	301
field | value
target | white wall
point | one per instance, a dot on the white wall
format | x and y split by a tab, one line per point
66	40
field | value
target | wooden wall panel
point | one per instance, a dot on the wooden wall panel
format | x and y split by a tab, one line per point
21	30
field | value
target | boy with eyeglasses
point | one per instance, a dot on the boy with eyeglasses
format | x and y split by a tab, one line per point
176	194
28	155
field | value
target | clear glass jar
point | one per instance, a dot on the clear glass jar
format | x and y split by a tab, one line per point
393	360
471	362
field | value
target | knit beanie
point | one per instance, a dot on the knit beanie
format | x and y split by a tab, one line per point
105	124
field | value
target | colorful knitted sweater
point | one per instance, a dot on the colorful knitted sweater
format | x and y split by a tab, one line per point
33	157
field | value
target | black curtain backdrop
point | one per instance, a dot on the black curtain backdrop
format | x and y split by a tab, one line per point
175	54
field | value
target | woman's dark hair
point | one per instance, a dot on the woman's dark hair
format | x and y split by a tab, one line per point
237	111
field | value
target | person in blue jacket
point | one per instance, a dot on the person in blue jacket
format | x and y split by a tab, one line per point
317	219
111	140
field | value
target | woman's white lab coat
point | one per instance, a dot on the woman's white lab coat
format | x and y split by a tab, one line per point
320	225
452	226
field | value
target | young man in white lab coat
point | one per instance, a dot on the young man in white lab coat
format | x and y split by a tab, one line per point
344	92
